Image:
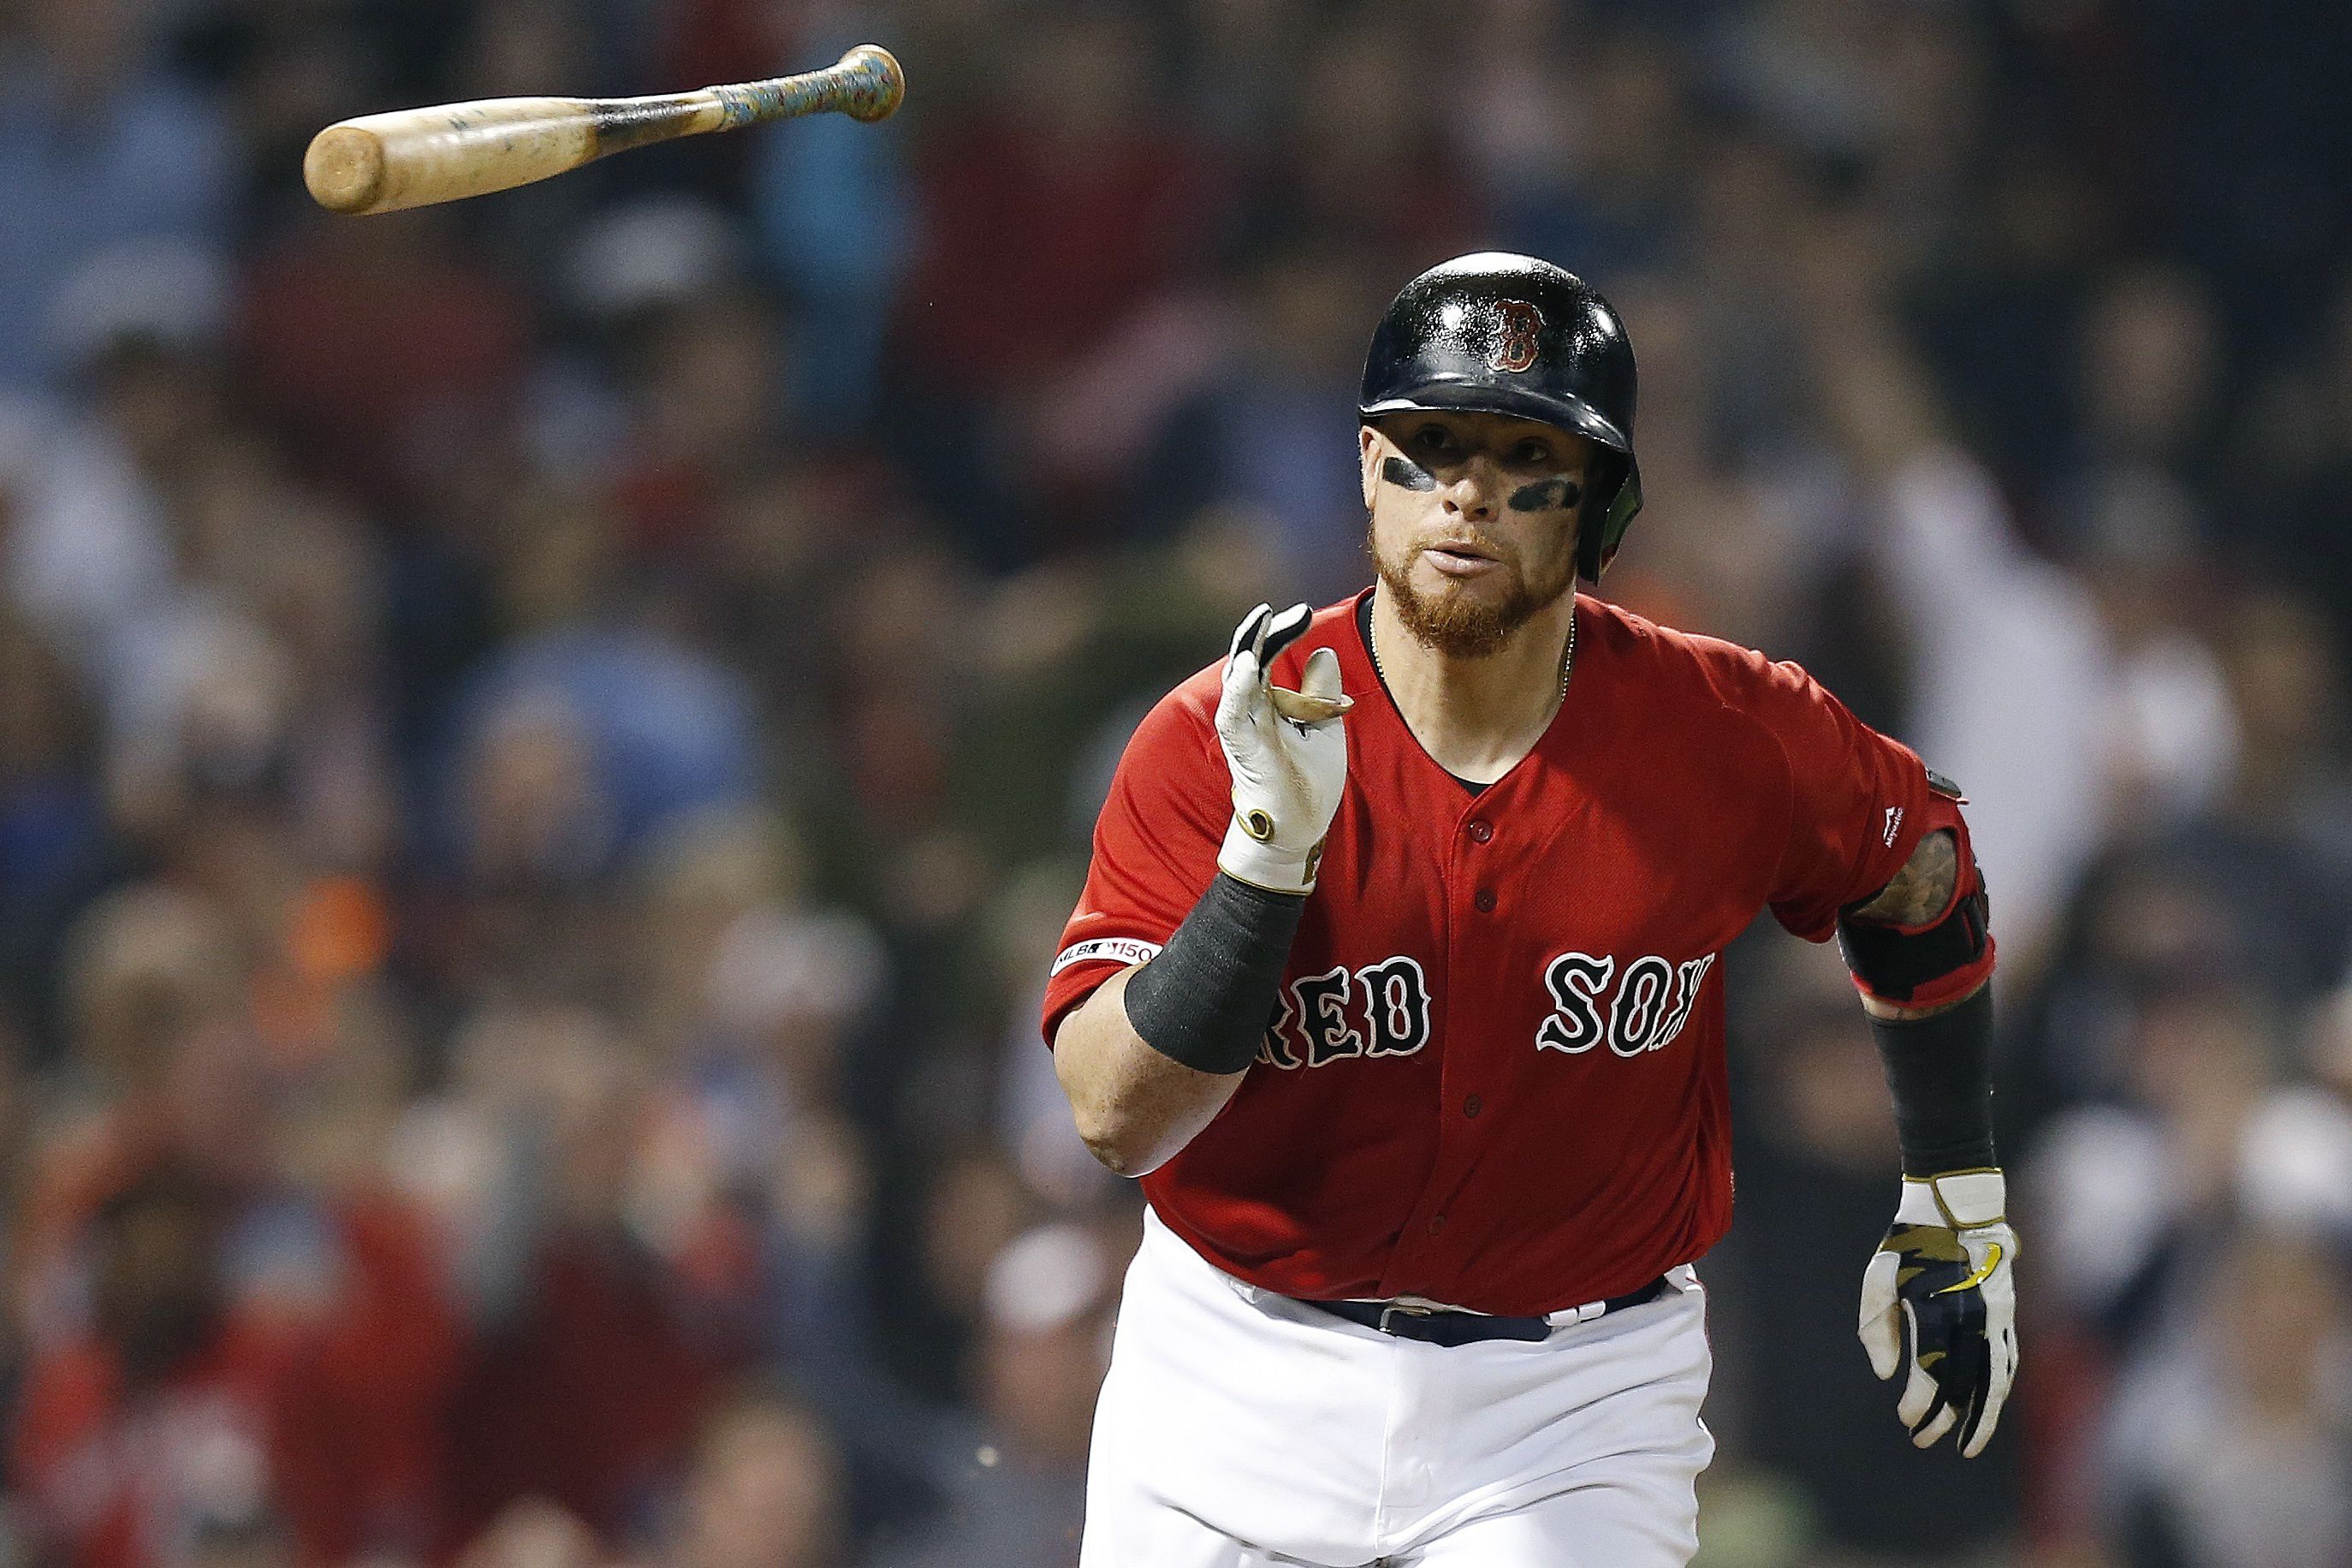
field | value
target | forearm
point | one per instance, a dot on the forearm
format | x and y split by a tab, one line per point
1922	953
1149	1060
1201	1007
1938	1066
1134	1106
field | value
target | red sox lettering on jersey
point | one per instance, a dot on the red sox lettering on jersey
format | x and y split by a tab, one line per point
1382	1009
1495	1076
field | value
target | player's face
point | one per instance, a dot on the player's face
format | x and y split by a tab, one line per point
1474	519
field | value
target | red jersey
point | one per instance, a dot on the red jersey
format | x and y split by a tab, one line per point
1496	1076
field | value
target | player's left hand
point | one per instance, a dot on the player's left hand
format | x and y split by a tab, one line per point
1940	1288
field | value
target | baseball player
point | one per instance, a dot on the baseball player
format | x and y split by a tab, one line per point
1395	979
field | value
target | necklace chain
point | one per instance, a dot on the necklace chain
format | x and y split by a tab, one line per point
1566	661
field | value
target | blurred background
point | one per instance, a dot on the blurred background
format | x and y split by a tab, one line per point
545	743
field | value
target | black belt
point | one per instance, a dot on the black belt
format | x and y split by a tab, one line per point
1440	1326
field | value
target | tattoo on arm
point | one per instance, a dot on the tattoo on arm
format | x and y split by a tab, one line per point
1921	890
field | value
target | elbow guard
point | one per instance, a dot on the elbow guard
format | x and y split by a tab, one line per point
1939	961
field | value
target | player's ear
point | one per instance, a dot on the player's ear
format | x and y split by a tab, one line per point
1370	441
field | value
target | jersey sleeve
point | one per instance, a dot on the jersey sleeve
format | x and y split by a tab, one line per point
1858	808
1155	849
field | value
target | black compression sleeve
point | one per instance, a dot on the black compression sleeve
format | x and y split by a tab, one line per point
1205	999
1940	1070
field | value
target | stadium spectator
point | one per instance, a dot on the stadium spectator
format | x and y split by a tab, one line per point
542	741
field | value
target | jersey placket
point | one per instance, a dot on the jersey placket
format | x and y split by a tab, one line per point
1472	908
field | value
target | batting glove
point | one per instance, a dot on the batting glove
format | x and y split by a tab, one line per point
1288	753
1940	1290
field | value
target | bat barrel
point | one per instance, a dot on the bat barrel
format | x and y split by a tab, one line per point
413	157
344	168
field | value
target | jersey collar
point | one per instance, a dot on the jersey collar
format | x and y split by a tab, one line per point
1360	674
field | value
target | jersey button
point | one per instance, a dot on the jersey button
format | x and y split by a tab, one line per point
1482	830
1484	899
1436	1224
1472	1106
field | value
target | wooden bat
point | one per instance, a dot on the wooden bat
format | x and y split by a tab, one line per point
414	157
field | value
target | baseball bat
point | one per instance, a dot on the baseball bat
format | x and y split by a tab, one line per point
415	157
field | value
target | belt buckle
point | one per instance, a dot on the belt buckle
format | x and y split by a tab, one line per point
1396	1309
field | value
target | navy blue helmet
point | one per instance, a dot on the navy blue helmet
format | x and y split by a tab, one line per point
1502	333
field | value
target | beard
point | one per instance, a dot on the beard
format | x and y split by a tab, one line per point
1461	625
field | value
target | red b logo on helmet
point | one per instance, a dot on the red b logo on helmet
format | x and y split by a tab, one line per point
1515	338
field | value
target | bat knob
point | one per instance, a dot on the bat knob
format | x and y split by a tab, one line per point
344	168
882	85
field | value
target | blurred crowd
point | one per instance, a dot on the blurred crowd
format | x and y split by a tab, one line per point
545	743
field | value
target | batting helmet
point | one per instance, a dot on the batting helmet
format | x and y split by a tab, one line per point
1512	334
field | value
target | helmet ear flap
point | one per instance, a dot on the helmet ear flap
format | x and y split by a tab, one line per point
1616	476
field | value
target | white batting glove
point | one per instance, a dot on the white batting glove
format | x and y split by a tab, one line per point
1941	1289
1288	753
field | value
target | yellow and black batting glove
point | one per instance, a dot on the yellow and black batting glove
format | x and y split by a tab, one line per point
1941	1294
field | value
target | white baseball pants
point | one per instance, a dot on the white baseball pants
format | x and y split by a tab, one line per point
1240	1429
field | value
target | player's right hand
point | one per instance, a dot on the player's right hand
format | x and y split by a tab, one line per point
1288	753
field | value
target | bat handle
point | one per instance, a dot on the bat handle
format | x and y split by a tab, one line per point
867	84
